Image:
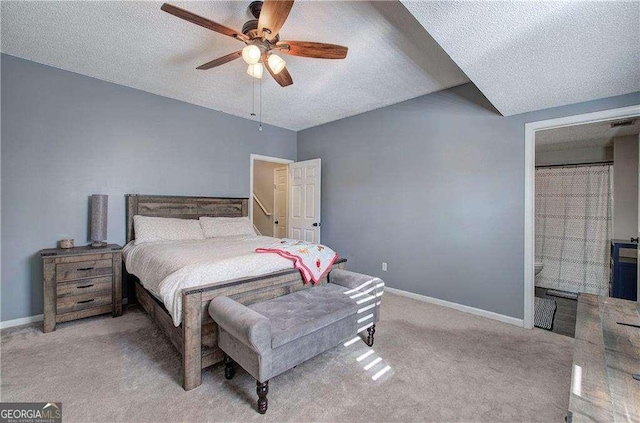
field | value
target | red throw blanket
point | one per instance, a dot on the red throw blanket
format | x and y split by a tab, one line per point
312	260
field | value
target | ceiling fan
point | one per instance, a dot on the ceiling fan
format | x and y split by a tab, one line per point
262	40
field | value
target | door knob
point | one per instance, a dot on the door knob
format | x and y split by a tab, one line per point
276	222
634	239
316	224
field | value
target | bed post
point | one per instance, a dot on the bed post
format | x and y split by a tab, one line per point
128	280
131	201
191	335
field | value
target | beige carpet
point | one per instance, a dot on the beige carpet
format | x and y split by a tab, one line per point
445	366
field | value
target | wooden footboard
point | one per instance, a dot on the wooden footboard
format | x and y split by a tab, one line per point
197	337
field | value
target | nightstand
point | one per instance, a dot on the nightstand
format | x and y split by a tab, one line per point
81	282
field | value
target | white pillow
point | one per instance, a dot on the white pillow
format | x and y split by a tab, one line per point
149	229
213	227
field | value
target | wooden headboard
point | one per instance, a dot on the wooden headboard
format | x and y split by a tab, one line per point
182	207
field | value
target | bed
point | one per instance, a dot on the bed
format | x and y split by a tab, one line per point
196	335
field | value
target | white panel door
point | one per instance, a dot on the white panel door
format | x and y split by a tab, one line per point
280	177
304	200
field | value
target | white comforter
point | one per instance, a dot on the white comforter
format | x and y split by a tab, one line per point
167	267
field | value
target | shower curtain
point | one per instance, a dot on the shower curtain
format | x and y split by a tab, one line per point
574	214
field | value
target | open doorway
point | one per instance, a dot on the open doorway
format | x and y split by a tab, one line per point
285	197
269	195
578	205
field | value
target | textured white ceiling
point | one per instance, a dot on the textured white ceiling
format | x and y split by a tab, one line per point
531	55
598	134
391	56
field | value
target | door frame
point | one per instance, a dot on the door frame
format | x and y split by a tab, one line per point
529	188
252	159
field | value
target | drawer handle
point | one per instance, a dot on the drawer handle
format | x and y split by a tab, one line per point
85	286
84	268
85	301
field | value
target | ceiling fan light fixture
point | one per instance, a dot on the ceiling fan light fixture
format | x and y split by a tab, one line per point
251	54
256	70
276	63
260	36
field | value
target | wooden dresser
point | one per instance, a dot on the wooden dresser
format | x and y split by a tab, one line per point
81	282
605	357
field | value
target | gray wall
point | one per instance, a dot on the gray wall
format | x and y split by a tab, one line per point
66	136
625	187
435	187
573	156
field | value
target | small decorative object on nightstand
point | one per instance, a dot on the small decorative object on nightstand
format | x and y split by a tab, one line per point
81	282
65	244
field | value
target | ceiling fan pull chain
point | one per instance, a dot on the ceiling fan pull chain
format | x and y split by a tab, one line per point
253	96
260	108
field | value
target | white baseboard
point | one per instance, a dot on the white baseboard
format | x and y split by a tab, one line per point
431	300
22	321
467	309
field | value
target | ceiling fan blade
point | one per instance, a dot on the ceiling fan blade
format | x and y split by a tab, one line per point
272	17
311	49
203	22
283	77
221	60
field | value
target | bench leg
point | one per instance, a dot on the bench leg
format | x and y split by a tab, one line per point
262	389
370	332
229	370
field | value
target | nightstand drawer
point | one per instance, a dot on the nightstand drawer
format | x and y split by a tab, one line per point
85	286
83	269
82	302
87	312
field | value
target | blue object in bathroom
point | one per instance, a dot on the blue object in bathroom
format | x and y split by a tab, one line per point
624	276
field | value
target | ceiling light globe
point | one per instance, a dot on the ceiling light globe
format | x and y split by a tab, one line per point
256	70
276	63
251	54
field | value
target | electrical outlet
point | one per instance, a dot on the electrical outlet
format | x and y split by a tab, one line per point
384	266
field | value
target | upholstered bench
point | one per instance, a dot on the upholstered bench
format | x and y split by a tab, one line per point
271	337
